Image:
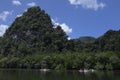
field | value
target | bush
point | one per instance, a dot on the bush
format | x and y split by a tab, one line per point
99	66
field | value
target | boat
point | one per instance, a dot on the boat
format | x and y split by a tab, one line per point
44	70
86	70
83	70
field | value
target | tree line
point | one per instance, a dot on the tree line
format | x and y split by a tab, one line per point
67	61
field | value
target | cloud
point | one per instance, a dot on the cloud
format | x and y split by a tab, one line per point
88	4
69	38
3	29
64	26
5	14
31	4
19	15
16	2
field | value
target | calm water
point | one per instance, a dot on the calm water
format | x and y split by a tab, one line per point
57	75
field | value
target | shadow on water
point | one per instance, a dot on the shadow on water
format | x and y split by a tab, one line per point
57	75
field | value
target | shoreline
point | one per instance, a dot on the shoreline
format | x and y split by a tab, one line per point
89	70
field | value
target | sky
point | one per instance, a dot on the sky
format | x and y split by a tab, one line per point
76	17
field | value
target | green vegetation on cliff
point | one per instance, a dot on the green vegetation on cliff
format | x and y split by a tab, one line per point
32	41
33	32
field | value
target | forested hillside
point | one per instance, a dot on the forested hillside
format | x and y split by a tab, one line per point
32	33
110	41
32	41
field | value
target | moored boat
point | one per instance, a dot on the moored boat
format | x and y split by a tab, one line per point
44	70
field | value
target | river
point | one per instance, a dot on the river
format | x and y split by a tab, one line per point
13	74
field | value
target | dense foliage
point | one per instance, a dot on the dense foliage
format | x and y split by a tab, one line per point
99	61
110	41
33	34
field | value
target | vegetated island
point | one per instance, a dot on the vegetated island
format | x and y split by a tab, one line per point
33	42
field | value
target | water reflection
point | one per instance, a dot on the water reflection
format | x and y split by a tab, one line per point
57	75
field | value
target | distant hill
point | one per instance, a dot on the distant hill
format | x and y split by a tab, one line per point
87	39
110	41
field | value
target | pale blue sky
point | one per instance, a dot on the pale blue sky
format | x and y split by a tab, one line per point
77	17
